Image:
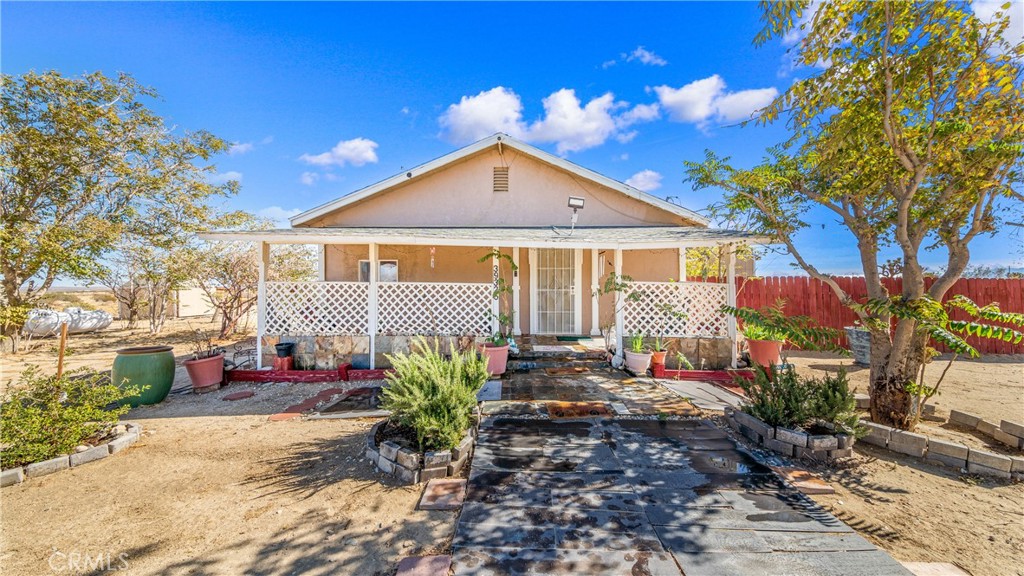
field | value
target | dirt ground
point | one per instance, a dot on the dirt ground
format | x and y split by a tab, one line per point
213	487
920	512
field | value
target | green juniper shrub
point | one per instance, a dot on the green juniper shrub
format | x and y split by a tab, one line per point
833	404
434	395
44	416
777	397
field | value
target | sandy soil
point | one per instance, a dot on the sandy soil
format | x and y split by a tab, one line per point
214	488
991	387
924	513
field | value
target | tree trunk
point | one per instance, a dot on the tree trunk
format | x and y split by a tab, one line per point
892	403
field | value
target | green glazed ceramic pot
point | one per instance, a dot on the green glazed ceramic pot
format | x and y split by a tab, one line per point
151	366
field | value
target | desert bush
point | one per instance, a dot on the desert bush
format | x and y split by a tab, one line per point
44	416
432	394
777	397
832	403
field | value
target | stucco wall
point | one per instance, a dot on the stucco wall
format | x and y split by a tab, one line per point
461	194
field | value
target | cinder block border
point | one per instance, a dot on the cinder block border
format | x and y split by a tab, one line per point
13	476
410	467
791	443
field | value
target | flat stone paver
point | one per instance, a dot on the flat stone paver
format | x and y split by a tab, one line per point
443	494
642	497
703	395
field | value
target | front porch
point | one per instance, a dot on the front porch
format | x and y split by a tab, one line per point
380	288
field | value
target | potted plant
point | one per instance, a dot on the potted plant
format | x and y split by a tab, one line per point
206	368
638	357
767	329
659	351
495	349
669	314
763	344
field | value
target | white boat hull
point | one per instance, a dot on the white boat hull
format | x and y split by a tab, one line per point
47	322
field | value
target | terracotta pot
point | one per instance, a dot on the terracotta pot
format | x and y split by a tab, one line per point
637	363
497	358
206	372
658	356
765	352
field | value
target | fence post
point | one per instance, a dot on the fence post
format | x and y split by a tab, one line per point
372	302
619	306
263	250
730	298
495	302
517	329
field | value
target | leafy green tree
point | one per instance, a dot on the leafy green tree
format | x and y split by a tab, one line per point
82	162
910	134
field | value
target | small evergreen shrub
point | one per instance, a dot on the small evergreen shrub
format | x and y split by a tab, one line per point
833	403
777	397
433	395
44	416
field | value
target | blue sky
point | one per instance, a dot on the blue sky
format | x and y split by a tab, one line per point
322	99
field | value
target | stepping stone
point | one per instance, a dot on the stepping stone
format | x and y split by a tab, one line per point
424	566
443	494
490	391
804	481
239	395
934	569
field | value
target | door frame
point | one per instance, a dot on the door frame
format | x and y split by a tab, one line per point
577	291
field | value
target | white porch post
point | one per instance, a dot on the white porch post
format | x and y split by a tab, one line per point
619	306
517	329
577	291
372	302
261	300
595	300
321	262
682	264
495	302
730	298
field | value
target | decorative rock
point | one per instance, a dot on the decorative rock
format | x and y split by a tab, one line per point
989	460
822	442
81	448
948	453
784	448
437	458
389	450
791	436
1012	428
47	466
878	434
119	430
408	459
428	474
908	443
963	418
1007	438
424	566
242	395
12	476
987	428
101	451
446	494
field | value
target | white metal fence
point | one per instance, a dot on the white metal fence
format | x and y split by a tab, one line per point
676	309
403	308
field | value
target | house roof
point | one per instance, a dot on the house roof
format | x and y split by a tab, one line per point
608	237
479	146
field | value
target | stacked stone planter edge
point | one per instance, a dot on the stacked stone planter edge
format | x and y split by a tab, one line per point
410	467
791	443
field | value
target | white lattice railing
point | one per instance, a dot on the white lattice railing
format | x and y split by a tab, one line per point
317	308
697	303
434	308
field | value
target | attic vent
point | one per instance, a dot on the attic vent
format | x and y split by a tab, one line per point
501	179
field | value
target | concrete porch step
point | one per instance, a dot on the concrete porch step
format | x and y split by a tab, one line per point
519	363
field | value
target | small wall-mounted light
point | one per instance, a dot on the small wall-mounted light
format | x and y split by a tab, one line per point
576	203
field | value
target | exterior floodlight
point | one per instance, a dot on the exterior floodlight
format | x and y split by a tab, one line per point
576	203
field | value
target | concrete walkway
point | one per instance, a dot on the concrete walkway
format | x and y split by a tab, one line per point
703	395
641	497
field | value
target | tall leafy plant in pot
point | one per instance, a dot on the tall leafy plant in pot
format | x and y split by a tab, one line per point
497	347
773	327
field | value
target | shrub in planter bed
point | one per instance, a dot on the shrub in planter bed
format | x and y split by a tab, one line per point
45	416
782	398
433	395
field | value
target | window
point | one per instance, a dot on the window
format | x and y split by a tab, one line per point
388	270
501	179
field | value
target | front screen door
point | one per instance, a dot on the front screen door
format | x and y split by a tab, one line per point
556	273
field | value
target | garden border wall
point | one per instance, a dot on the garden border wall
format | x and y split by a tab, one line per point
410	467
13	476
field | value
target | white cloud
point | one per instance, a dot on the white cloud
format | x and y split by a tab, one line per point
474	117
608	64
309	178
705	100
567	122
624	156
240	148
279	215
225	177
357	152
267	140
645	56
645	180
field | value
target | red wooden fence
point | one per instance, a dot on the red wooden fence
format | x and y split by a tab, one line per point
808	297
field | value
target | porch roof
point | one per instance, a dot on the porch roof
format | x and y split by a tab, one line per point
622	237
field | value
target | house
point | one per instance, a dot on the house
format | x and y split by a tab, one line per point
424	252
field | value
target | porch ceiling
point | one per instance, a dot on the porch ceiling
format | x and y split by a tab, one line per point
622	237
